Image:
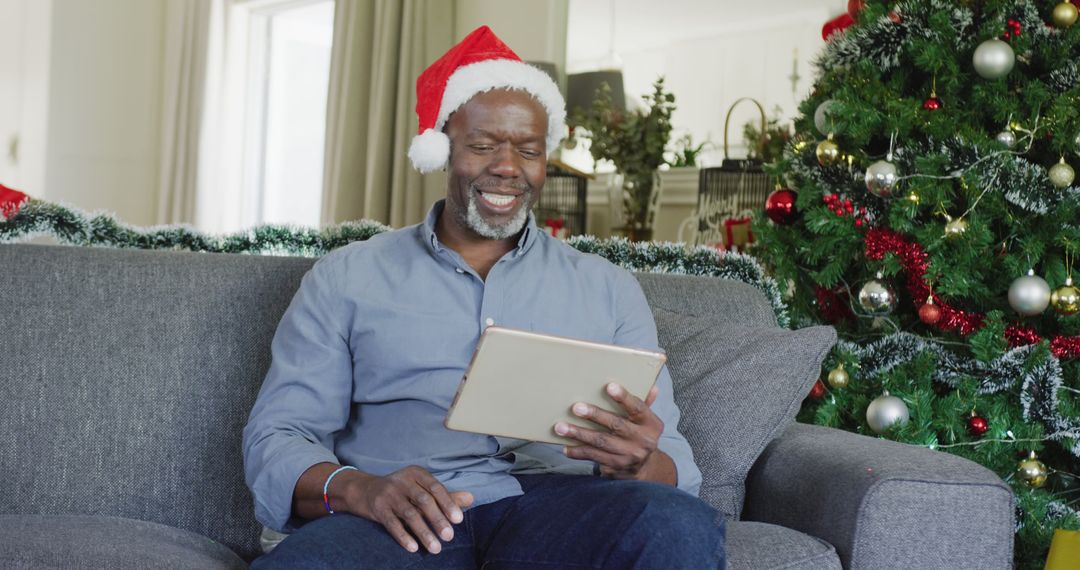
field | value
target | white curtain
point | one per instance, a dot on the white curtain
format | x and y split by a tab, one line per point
380	47
187	31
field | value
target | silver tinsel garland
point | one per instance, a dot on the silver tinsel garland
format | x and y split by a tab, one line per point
71	226
1039	375
1024	184
884	40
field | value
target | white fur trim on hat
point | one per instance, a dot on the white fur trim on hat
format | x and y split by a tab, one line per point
482	76
429	151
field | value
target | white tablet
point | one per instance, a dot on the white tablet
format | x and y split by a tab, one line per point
520	383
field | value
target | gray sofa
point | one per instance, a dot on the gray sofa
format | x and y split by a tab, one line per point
127	376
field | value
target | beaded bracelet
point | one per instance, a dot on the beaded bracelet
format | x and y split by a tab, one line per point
326	486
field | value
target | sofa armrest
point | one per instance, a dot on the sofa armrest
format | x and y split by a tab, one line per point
882	503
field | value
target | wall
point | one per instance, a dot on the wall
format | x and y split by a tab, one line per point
725	52
708	74
80	96
535	30
104	132
24	88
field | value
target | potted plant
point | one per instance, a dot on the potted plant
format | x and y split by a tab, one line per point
679	183
635	142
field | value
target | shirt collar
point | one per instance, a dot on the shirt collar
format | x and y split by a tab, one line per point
525	242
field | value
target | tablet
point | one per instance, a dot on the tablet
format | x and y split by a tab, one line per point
520	383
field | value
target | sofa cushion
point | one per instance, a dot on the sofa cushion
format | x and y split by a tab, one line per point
699	295
130	379
72	541
737	387
762	546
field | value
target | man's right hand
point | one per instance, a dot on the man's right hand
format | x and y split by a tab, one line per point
410	503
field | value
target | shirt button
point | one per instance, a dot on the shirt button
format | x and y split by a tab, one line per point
490	321
459	270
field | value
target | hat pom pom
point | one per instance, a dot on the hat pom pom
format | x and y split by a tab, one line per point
429	151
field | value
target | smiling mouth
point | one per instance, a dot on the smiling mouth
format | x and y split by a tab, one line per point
496	202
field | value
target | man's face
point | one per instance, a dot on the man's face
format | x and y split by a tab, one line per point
498	162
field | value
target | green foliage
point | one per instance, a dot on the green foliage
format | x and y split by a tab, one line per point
878	73
685	152
634	141
777	136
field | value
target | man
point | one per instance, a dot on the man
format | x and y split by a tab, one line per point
345	447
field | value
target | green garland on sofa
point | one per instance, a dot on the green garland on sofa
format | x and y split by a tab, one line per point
72	226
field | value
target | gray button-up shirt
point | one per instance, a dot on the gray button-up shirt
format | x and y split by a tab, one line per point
369	354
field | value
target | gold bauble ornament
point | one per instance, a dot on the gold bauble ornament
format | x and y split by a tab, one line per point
954	228
828	152
838	377
1064	15
1061	174
1032	471
1066	299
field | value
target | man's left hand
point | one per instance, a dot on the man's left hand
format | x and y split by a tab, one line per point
627	449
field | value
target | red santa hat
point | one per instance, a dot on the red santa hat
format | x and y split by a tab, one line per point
481	62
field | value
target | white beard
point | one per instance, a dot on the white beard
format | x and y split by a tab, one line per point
481	226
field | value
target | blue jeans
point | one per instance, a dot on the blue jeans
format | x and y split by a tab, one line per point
562	521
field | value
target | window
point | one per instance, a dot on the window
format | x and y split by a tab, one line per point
265	128
290	87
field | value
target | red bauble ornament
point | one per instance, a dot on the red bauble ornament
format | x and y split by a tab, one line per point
930	313
932	103
11	200
780	206
837	24
818	391
854	7
977	425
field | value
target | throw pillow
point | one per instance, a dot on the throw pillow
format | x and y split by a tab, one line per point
737	387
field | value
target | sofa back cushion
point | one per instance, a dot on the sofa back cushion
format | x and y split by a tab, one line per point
126	378
695	295
737	386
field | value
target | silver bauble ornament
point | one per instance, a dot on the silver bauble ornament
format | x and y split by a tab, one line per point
881	178
1007	138
886	411
1061	174
1029	295
993	59
822	121
876	298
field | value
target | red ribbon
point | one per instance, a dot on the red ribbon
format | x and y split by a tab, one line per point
555	224
10	201
913	259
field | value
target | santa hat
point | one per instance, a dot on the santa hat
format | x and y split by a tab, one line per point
481	62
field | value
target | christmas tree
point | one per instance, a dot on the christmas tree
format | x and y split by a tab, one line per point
926	209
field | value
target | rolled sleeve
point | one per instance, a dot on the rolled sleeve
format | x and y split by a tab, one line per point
637	329
305	398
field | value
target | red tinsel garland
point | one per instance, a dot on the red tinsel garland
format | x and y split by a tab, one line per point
913	259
